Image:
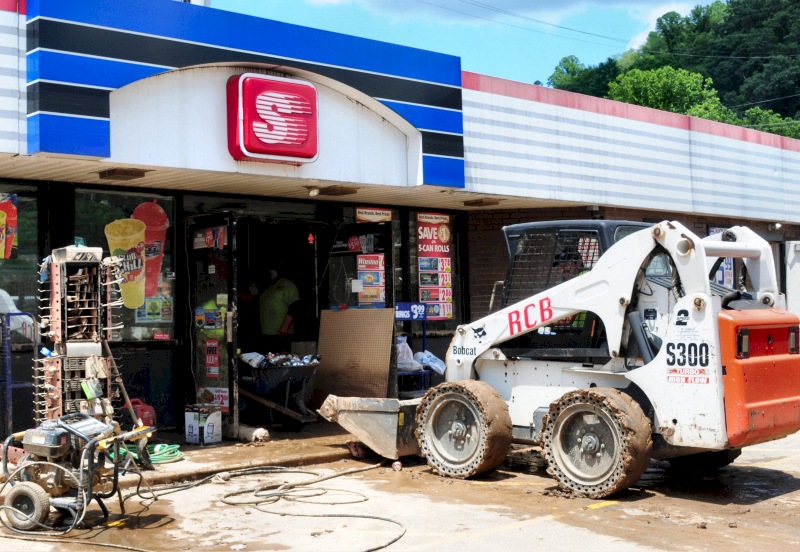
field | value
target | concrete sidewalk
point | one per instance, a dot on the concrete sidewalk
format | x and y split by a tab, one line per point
317	443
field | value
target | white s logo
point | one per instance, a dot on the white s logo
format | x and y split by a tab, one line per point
276	109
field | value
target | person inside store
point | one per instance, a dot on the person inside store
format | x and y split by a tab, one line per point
280	308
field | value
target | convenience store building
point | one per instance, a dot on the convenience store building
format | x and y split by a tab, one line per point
383	176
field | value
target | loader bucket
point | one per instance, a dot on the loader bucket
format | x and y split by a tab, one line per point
384	425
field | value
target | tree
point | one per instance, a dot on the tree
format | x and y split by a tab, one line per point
769	121
681	42
565	73
755	46
573	76
668	89
747	48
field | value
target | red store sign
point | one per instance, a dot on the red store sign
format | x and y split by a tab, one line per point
272	119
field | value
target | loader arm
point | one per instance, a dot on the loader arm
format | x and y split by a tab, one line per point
612	276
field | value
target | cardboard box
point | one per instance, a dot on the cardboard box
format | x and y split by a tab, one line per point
203	424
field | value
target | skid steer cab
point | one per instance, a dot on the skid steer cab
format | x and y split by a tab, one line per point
65	464
613	345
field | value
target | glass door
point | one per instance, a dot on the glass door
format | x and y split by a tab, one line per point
212	268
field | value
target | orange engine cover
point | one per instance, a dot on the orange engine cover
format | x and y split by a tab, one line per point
762	387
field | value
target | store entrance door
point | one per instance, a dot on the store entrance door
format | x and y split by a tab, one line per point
289	248
213	300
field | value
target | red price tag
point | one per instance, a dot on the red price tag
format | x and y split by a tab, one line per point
353	244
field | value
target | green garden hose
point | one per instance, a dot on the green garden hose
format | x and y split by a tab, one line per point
159	453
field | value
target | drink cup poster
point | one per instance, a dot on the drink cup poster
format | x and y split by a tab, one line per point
138	241
435	257
9	239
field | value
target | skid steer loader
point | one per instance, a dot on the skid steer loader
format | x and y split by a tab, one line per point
614	345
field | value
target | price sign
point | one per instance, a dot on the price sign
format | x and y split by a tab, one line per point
354	244
410	311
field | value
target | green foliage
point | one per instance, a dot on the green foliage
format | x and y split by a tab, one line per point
573	76
668	89
565	73
769	121
713	110
747	48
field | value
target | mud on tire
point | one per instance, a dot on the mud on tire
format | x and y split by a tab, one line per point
596	441
463	428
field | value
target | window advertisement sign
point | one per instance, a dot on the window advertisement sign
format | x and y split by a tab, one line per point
372	274
724	275
9	240
133	228
19	264
410	311
139	241
435	257
372	214
157	309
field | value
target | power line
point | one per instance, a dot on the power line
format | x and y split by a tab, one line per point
641	48
765	125
716	56
764	101
468	14
541	22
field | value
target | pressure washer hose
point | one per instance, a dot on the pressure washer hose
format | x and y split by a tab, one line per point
159	453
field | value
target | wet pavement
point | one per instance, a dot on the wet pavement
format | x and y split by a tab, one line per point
316	443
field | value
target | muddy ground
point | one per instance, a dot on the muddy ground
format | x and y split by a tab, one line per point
753	504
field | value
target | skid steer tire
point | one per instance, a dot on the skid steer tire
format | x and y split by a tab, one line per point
463	428
596	441
30	503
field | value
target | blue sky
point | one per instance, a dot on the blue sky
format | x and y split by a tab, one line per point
521	40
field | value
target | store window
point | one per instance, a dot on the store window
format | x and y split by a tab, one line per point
360	263
138	229
18	262
432	268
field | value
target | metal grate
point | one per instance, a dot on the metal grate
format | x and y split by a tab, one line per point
544	260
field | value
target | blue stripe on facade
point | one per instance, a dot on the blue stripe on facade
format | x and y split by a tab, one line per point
68	135
443	171
75	69
428	118
216	28
236	31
